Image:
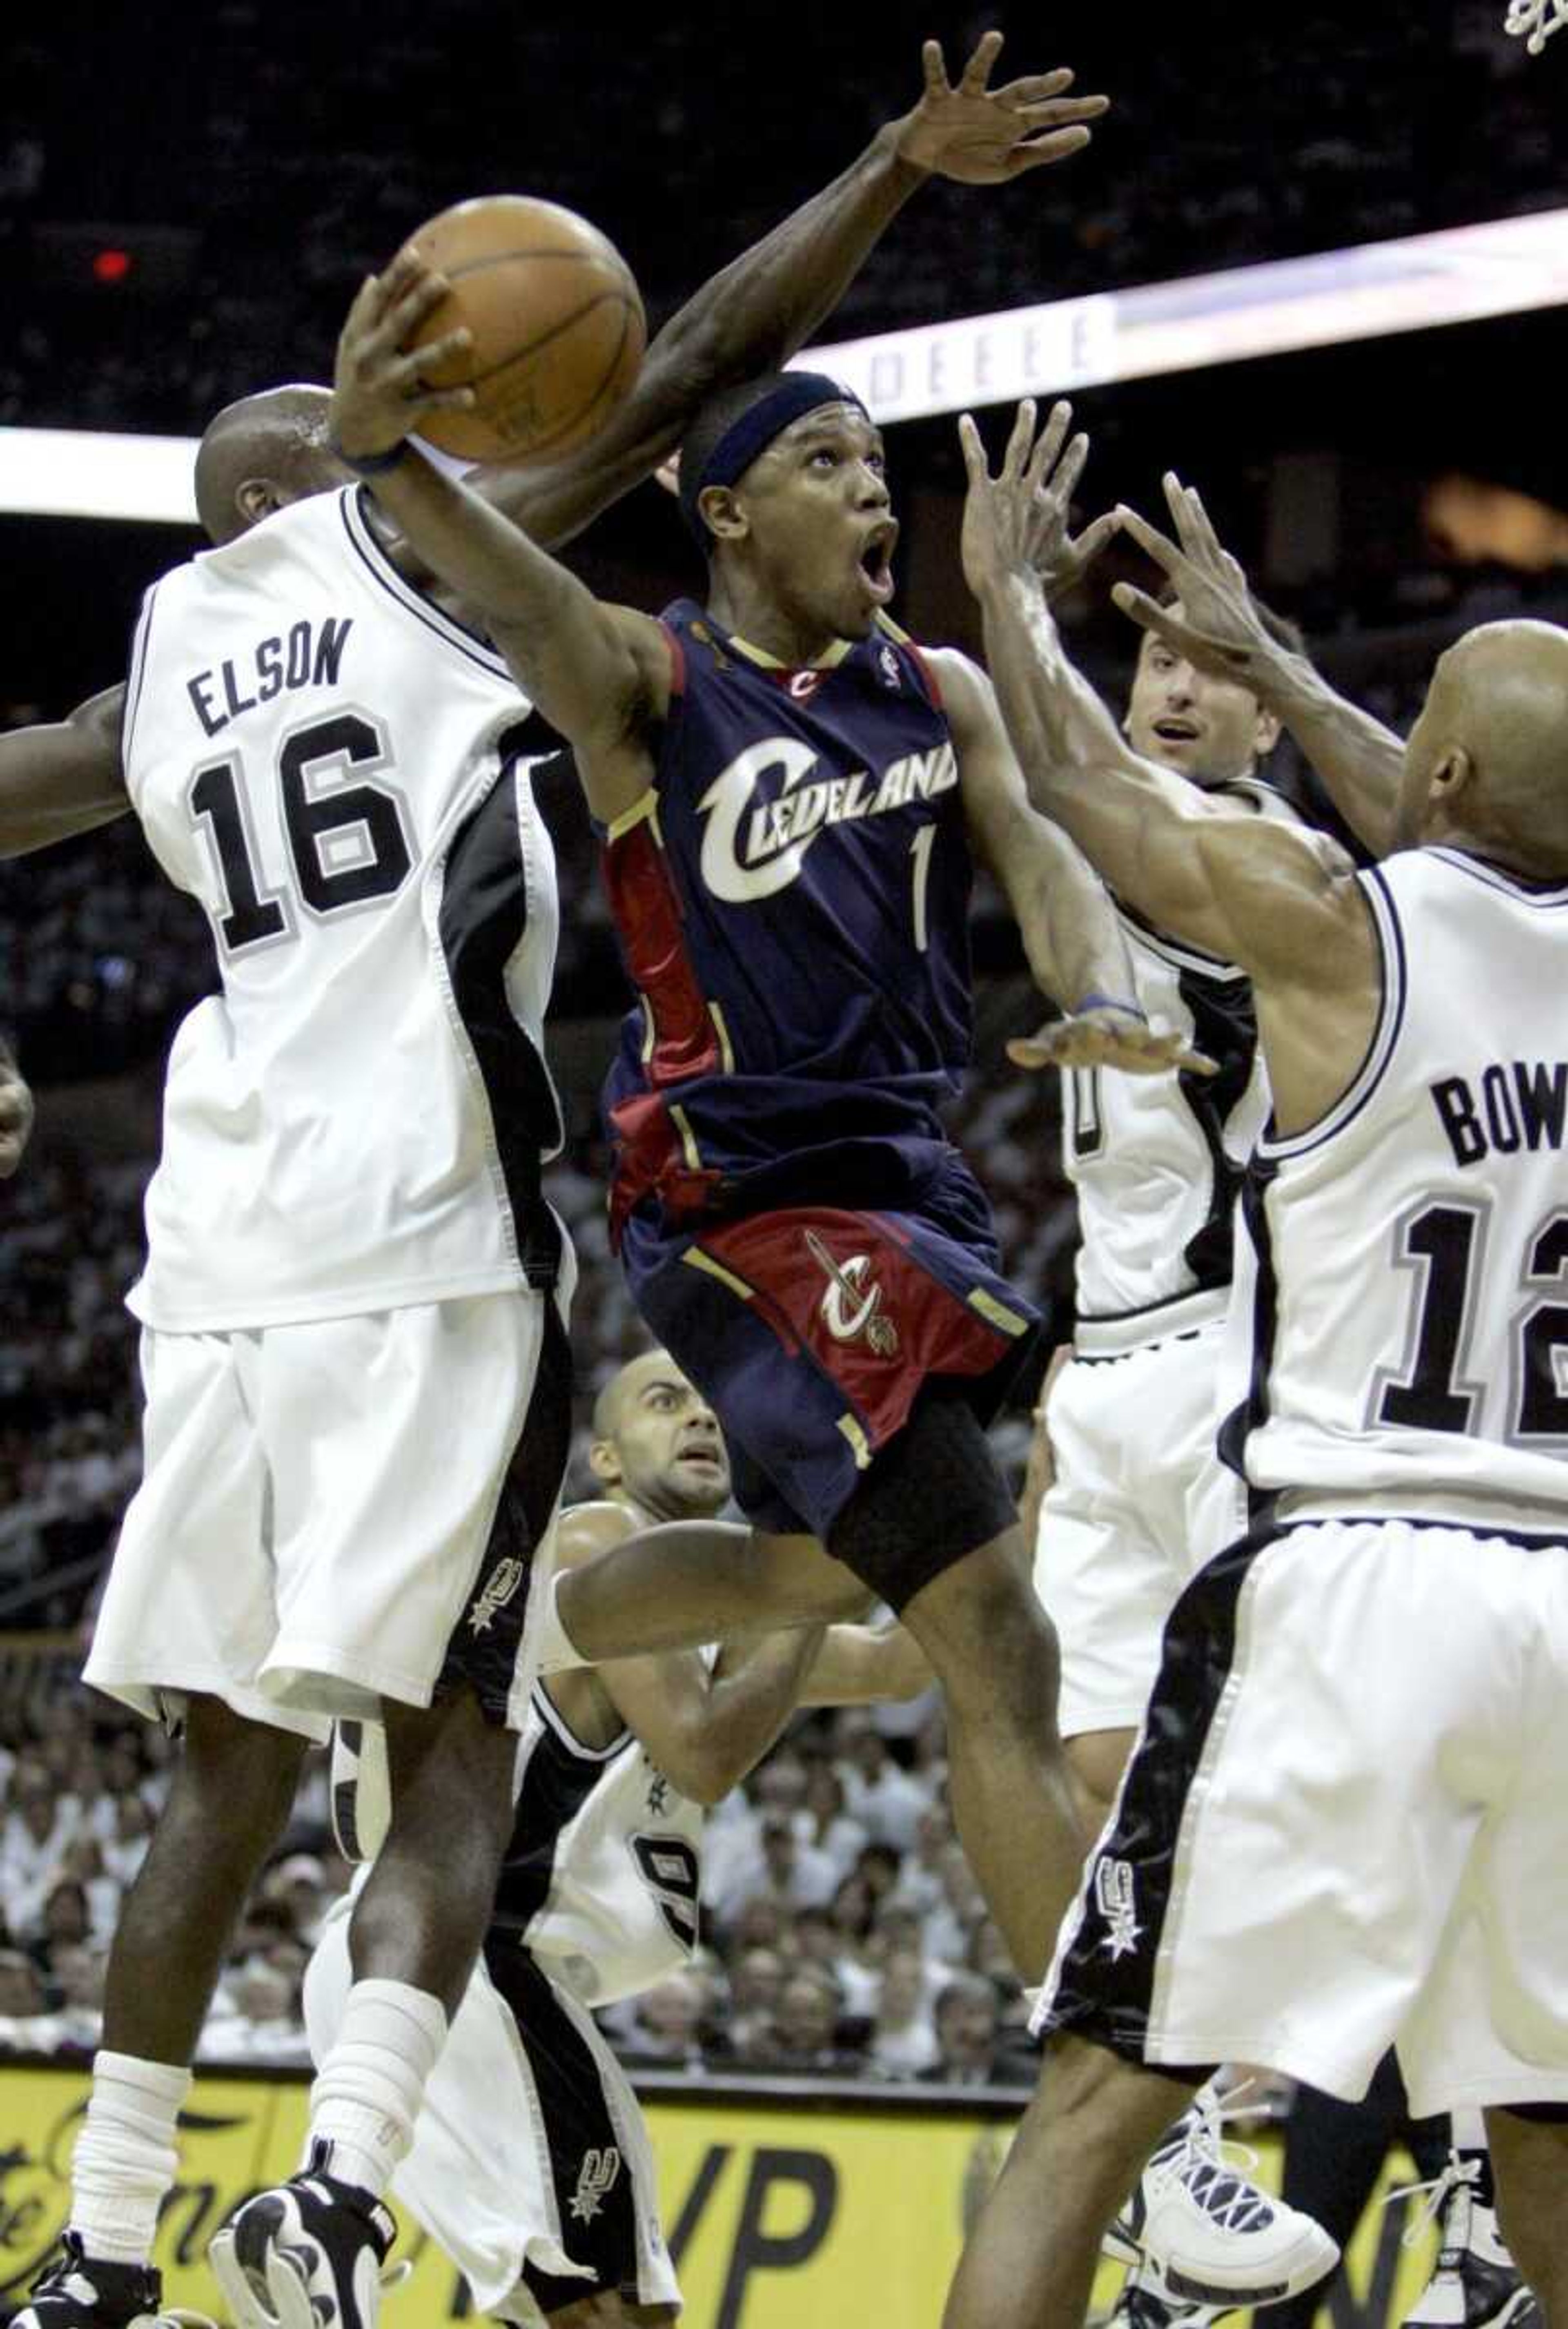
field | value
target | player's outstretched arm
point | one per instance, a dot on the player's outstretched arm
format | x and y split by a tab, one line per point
1278	898
758	311
1070	935
1218	629
866	1666
62	777
598	674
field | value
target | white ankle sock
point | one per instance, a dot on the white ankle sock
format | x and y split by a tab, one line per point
556	1651
368	2091
126	2157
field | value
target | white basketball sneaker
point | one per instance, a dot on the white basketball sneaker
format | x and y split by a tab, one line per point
1213	2235
1475	2283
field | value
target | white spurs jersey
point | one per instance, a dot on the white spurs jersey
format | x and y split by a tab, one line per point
329	765
1156	1161
602	1878
1399	1341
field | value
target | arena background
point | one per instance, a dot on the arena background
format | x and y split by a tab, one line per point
186	201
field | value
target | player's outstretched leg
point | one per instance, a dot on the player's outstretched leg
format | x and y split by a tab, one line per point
308	2253
232	1789
1530	2163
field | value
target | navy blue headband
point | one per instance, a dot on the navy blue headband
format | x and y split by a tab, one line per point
797	393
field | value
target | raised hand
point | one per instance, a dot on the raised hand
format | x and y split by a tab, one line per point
984	137
1017	521
380	392
1217	628
1107	1035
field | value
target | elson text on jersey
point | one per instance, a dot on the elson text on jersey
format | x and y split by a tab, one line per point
310	657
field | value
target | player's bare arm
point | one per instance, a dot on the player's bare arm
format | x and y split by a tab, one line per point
62	777
866	1666
598	674
1280	900
16	1112
755	315
1217	628
1075	948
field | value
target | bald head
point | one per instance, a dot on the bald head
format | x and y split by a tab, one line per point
621	1393
1487	760
262	453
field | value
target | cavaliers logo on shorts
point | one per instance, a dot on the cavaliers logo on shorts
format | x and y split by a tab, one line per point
852	1308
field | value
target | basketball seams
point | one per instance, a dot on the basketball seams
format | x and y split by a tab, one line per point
532	347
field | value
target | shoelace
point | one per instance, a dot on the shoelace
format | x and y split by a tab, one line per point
1440	2189
1196	2157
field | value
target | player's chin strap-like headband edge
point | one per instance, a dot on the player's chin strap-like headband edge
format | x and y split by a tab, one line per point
753	431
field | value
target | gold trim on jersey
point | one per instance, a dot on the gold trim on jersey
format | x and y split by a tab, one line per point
828	661
682	1122
696	1259
645	807
860	1445
996	1314
726	1049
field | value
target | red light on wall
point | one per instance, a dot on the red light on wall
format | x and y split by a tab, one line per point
111	265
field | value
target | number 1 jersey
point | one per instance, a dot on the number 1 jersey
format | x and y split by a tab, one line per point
791	895
1398	1342
328	764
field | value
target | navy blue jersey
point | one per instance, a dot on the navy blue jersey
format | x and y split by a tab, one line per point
792	898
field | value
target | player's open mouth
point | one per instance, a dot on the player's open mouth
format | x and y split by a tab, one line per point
1177	732
876	560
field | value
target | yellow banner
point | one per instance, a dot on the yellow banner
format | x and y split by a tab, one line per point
775	2216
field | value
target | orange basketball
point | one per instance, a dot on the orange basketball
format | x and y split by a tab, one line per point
557	323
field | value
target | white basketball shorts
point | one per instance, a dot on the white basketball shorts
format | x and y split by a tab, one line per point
1140	1501
340	1512
530	2164
1345	1824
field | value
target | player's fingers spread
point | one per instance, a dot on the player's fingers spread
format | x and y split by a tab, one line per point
420	361
978	71
1057	111
445	400
417	304
973	450
1163	552
935	69
1094	538
1031	1052
1018	443
1036	153
1195	1063
1146	612
1036	89
1071	467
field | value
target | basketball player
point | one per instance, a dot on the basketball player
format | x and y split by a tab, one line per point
1208	621
354	1296
16	1112
530	2164
1343	1824
1138	1496
788	791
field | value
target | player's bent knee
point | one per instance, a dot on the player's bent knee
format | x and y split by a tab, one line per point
930	1498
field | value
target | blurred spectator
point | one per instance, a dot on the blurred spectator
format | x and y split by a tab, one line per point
969	2049
903	2041
886	1800
808	2036
667	2028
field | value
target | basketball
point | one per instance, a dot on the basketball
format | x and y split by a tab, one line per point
557	322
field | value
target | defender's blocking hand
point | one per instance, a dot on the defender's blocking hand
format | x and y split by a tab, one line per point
379	392
985	137
1217	627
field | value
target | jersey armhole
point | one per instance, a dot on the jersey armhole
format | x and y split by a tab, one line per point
677	659
133	678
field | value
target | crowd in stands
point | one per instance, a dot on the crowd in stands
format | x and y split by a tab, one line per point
844	1933
305	157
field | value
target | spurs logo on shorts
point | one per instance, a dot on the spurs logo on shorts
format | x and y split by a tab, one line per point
852	1306
595	2181
498	1589
1114	1897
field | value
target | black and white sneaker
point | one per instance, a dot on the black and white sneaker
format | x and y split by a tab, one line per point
1475	2283
1145	2303
76	2291
1213	2235
306	2255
